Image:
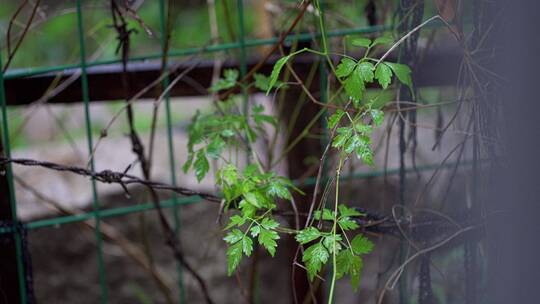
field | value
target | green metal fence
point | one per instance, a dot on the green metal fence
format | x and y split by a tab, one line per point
98	213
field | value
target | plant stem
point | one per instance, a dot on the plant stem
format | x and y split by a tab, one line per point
334	230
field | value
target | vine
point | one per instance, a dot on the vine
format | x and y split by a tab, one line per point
251	192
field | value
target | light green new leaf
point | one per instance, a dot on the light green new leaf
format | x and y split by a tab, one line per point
327	215
383	74
314	257
307	235
229	174
361	42
334	119
403	73
361	245
262	82
234	255
276	71
254	199
201	165
268	238
366	70
345	67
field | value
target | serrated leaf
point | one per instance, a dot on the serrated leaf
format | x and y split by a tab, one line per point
233	236
255	230
201	165
276	188
276	71
361	245
348	263
247	245
402	72
234	256
383	74
188	163
307	235
355	271
361	42
346	211
269	223
366	70
229	80
334	119
365	154
353	143
267	238
235	220
254	199
262	82
346	223
343	136
327	215
229	174
215	147
345	67
382	40
314	258
354	86
377	116
332	242
363	129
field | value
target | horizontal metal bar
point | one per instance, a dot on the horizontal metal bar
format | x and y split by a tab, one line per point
105	79
26	72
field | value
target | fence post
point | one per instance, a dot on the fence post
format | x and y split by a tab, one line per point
12	284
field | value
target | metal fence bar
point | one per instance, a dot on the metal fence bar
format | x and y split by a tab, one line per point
11	191
88	123
26	72
170	145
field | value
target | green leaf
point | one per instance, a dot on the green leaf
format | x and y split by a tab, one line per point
345	67
233	236
346	223
275	72
215	147
277	188
254	198
361	42
366	70
234	255
346	211
229	174
365	154
383	74
377	116
235	220
327	215
355	271
354	86
229	80
403	73
331	242
201	165
348	263
314	257
268	238
343	136
353	143
361	245
363	129
334	119
188	163
269	223
307	235
247	245
385	40
262	82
